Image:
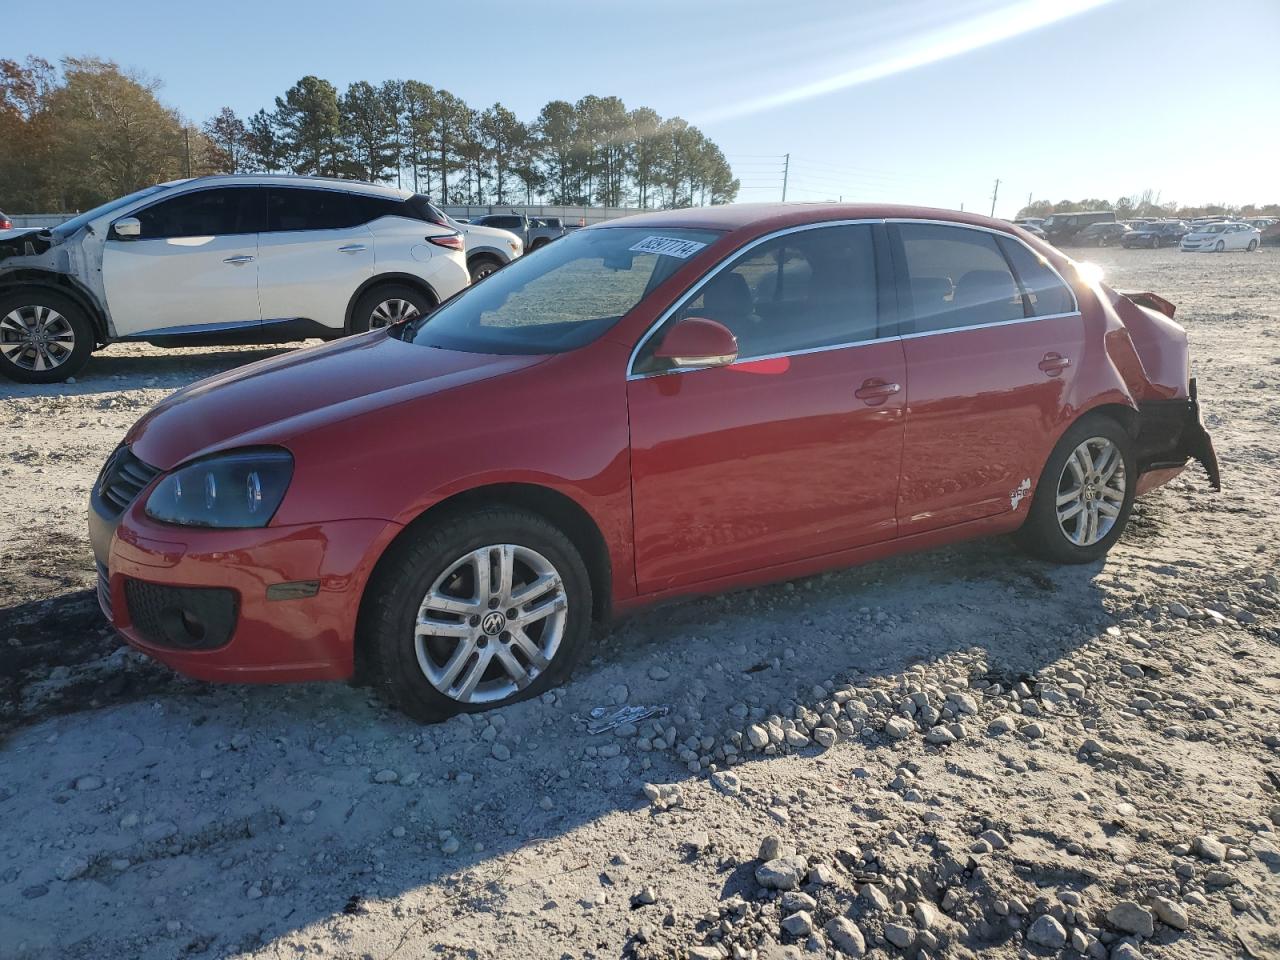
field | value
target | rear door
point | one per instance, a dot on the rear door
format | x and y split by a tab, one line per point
993	339
193	264
789	453
315	253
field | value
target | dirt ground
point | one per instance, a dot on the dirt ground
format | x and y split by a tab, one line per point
951	754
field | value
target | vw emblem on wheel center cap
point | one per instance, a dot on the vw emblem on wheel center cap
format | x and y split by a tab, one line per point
494	623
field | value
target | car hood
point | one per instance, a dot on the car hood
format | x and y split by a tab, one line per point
273	400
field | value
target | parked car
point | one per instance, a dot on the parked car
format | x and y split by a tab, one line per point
1219	236
675	403
534	233
221	260
5	222
1160	233
1061	228
1032	226
1102	235
487	248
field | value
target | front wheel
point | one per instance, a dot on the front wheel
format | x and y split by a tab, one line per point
481	267
1219	247
482	610
44	336
1155	243
1085	494
1253	245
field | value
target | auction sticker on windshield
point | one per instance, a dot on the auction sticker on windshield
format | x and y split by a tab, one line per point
668	247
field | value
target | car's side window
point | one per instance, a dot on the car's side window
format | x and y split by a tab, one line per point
954	277
224	211
801	291
301	208
1044	290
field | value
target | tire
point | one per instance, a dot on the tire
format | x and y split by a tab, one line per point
439	562
389	303
481	267
1155	243
1066	541
537	244
1253	245
45	337
1219	247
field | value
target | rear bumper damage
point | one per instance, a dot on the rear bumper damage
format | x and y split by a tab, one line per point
1172	433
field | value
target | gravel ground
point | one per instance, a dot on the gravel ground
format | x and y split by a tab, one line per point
955	753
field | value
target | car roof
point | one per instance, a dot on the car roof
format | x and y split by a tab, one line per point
773	216
285	179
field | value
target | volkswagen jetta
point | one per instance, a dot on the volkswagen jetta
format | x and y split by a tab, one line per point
665	405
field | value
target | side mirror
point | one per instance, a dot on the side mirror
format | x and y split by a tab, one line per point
696	342
127	227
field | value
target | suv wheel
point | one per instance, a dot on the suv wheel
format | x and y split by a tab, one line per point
389	303
1085	494
481	267
481	610
44	336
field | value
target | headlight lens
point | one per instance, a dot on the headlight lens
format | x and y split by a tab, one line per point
241	489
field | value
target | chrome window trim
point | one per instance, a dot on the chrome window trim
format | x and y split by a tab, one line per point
706	278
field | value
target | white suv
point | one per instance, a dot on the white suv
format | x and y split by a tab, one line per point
222	260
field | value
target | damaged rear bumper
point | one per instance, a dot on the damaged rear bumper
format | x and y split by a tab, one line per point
1172	432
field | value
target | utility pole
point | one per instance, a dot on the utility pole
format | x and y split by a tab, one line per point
1028	198
786	169
995	193
186	136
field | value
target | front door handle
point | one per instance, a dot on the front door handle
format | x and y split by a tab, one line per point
875	391
351	248
238	261
1054	363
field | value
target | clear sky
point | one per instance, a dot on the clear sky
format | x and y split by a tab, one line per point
923	101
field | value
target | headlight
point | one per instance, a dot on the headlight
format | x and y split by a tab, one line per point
241	489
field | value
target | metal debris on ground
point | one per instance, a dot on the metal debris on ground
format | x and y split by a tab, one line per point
602	719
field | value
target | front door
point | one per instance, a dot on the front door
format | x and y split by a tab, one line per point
193	264
315	254
993	339
789	453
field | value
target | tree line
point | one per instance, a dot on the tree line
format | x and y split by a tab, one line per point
1148	204
90	131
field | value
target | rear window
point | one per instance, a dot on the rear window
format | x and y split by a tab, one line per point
956	277
1046	294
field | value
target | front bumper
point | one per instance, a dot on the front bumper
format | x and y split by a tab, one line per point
293	593
1172	433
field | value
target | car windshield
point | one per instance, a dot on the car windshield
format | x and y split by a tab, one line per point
568	295
69	227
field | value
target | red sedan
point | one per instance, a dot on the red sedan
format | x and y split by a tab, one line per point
670	404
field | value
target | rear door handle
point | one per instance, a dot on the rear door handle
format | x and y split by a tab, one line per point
875	391
238	261
1054	363
351	248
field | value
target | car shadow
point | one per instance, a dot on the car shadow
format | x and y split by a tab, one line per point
282	804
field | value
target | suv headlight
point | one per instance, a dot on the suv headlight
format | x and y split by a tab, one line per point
238	489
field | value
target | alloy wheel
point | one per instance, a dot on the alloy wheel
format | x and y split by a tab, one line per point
484	269
1091	491
391	311
491	623
36	338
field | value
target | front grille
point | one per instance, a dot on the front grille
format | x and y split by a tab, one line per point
104	590
185	618
123	477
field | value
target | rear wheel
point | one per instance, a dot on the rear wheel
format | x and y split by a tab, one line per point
482	610
1155	243
389	303
1219	247
1085	494
44	336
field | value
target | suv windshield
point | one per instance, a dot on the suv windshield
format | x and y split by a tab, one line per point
69	227
568	295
